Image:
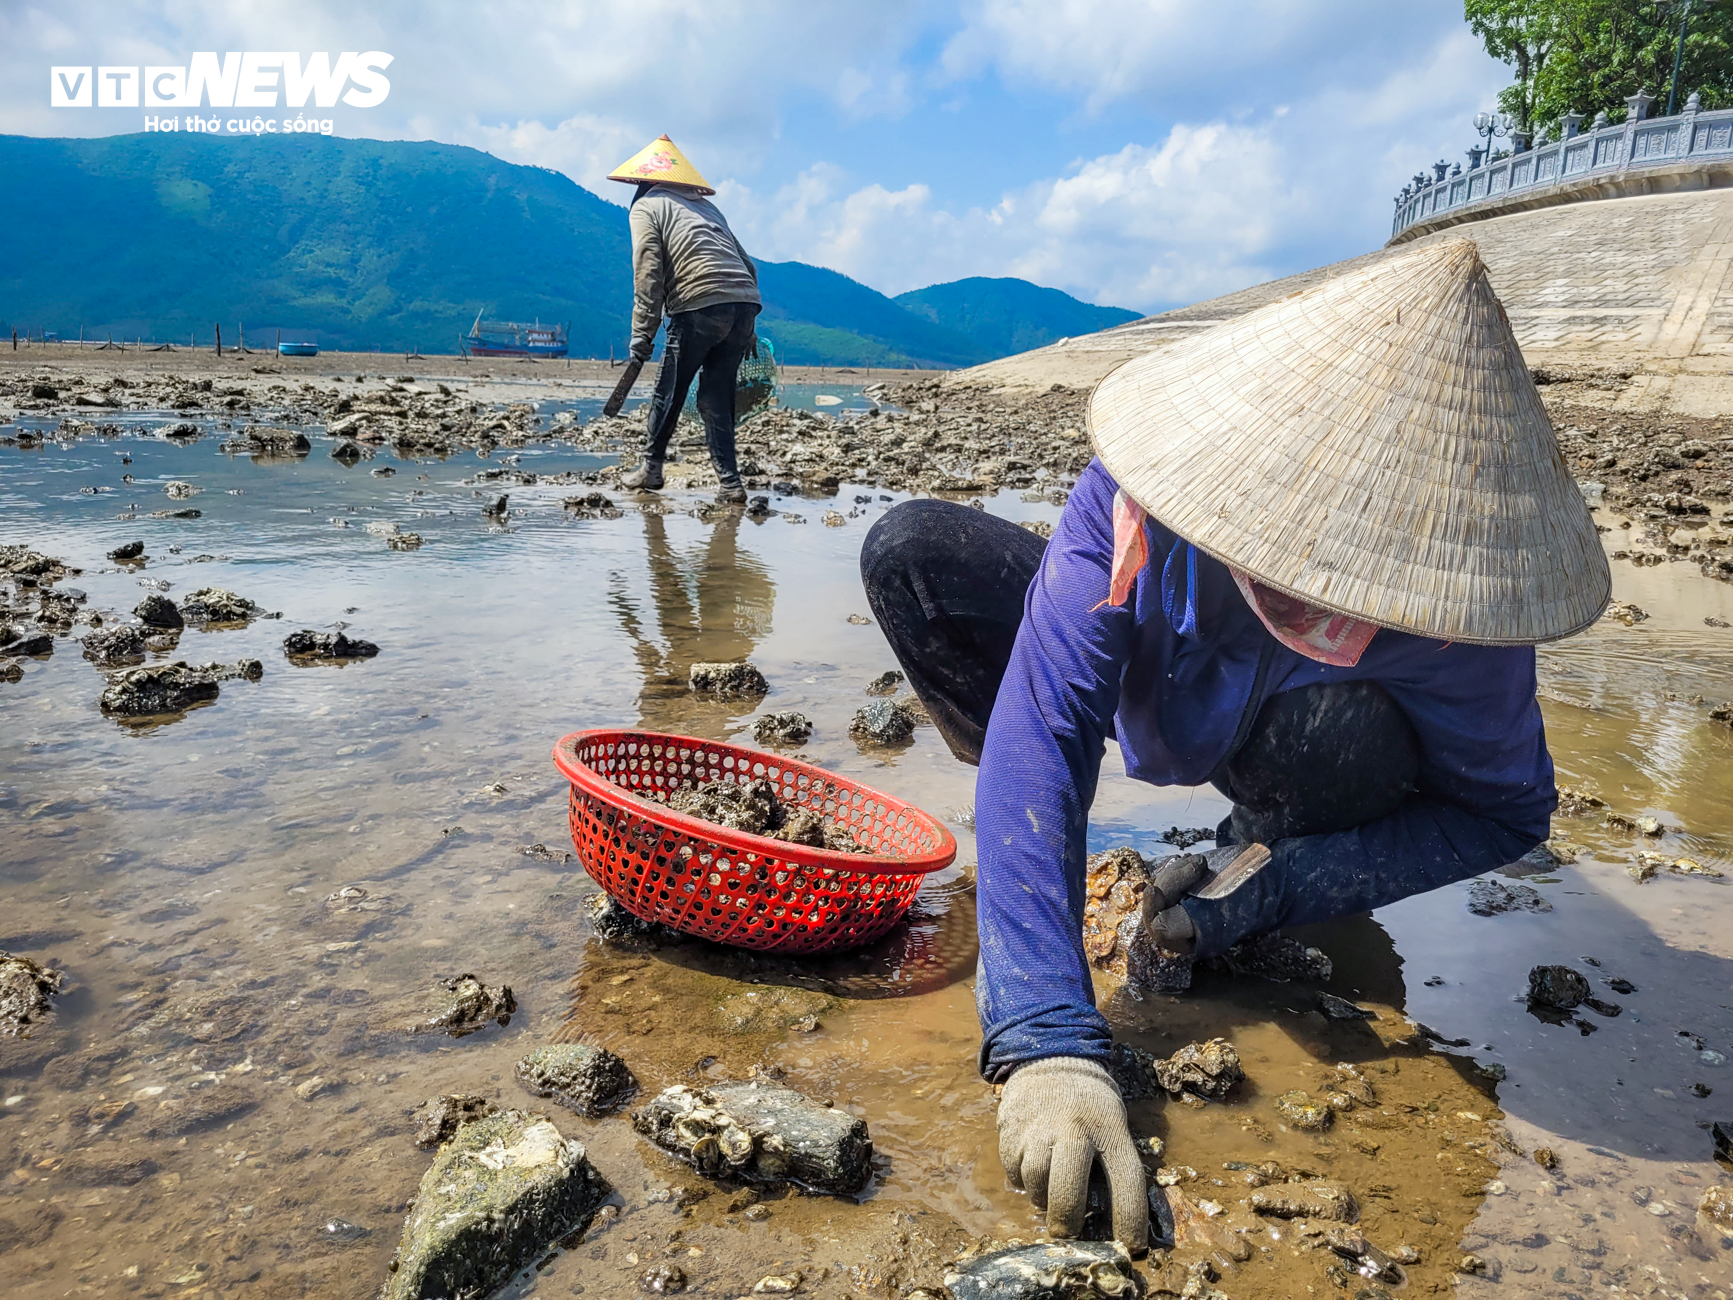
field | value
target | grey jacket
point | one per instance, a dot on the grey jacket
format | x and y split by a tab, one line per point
684	257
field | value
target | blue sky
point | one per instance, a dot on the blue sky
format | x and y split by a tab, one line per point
1143	154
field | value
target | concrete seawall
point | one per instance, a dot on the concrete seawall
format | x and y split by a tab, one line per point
1640	283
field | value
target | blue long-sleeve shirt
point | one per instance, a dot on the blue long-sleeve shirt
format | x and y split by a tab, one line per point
1177	674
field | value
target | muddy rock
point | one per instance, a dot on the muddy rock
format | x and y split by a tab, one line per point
1494	898
1557	986
268	443
785	728
203	1108
307	644
1056	1270
214	605
1113	935
1209	1071
157	689
114	647
21	561
737	681
97	1167
761	1132
28	1226
589	1080
16	642
772	1009
1298	1108
437	1118
1352	1244
158	611
459	1006
1275	956
664	1279
885	683
497	1195
403	542
883	722
1314	1200
1716	1206
25	990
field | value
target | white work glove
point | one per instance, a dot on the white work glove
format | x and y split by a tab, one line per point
1055	1117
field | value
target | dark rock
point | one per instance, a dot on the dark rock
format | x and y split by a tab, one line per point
761	1132
208	1106
346	453
159	611
885	683
214	605
130	551
1056	1270
614	924
1313	1200
437	1118
115	646
1721	1133
26	643
590	1080
756	809
497	1195
1608	1009
883	722
1557	986
157	689
1335	1008
267	443
1276	956
736	681
25	990
307	644
1494	898
459	1006
1621	986
786	728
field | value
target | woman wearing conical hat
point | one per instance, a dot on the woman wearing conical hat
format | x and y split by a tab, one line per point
1309	565
687	265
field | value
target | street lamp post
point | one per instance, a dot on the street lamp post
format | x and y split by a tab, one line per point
1678	55
1491	125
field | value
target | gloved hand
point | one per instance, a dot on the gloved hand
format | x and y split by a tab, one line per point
1056	1116
641	350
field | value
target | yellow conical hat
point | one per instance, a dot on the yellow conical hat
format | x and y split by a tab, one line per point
1373	445
661	163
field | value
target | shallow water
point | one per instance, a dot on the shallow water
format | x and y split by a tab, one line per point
181	871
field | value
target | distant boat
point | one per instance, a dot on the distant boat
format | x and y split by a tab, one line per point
297	349
510	339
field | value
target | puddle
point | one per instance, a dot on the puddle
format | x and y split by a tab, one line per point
182	874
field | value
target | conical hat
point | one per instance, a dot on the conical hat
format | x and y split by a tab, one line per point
661	162
1374	446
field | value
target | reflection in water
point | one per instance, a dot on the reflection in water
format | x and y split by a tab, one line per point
710	604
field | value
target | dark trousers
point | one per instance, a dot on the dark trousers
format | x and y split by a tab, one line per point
707	344
947	585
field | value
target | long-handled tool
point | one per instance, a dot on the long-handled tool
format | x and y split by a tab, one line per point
623	389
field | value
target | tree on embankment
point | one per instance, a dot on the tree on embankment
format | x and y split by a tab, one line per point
1588	56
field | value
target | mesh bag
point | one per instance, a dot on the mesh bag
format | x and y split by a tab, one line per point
755	386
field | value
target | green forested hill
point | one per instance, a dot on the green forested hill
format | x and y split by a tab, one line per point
397	244
1009	316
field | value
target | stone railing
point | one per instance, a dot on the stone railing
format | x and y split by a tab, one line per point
1531	177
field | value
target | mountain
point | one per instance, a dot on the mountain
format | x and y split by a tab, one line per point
397	245
810	313
1008	316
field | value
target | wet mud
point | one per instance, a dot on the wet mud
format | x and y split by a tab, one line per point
247	895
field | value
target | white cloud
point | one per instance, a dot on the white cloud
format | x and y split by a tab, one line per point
1259	136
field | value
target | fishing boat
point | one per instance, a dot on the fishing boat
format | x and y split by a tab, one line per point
297	349
510	339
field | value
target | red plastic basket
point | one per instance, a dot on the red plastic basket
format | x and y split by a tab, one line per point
730	886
